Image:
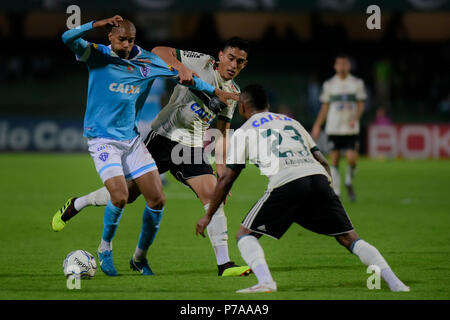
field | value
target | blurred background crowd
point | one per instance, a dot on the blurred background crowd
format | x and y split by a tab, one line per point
405	64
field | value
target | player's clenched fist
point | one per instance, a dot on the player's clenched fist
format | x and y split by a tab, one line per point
113	21
186	75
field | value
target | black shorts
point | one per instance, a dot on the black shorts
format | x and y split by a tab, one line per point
347	142
187	163
309	201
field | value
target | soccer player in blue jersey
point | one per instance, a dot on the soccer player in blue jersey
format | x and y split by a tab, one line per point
120	77
183	123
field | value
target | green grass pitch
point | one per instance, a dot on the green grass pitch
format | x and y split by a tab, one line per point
403	208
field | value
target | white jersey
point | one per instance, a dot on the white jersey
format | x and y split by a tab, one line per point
342	96
186	118
278	145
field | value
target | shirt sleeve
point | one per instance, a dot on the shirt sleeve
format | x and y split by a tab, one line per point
311	143
325	94
309	140
73	39
361	91
195	61
165	70
237	151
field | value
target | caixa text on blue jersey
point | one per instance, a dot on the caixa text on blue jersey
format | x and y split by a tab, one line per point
124	88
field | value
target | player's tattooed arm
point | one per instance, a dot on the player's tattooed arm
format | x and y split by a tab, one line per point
169	56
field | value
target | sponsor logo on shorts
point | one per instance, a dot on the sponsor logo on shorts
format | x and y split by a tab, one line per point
103	156
102	147
262	228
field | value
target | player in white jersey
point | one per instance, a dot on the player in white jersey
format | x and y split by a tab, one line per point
179	130
299	190
342	100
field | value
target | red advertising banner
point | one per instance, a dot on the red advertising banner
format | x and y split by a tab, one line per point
409	141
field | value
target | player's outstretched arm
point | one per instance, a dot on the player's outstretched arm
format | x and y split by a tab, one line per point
73	37
224	184
113	21
223	96
188	77
169	56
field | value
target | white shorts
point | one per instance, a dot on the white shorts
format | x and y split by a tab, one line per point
129	158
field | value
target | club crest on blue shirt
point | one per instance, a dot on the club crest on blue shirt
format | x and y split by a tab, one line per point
103	156
145	70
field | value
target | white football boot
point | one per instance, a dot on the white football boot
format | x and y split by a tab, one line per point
260	287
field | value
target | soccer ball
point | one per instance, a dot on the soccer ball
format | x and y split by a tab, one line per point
80	263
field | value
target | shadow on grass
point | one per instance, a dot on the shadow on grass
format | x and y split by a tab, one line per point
310	267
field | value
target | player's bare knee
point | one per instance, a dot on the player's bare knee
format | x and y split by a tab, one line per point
244	231
119	198
157	202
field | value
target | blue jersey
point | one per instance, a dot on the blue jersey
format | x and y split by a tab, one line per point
152	104
117	87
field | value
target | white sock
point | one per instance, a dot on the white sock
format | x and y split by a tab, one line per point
349	175
253	255
335	176
369	255
221	253
218	235
99	197
81	203
105	246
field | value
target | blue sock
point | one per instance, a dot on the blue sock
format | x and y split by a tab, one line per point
110	221
151	219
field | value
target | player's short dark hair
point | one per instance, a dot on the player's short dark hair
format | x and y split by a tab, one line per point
127	24
236	42
343	55
258	96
